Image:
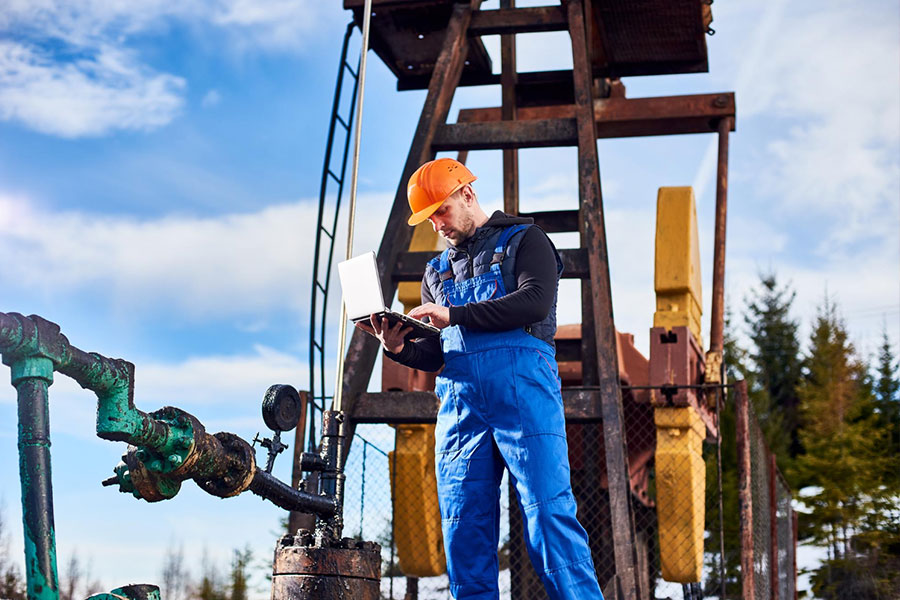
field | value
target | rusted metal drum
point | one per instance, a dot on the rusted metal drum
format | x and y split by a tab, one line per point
347	568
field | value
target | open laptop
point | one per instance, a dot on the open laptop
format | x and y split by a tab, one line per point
361	285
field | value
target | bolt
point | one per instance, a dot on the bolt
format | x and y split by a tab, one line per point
154	465
175	459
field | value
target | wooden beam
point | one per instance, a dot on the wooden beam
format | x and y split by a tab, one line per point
593	234
633	117
506	134
410	266
518	20
422	407
508	76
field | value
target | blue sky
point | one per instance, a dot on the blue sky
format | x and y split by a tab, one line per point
159	169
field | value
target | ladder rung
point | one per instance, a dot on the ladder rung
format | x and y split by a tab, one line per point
518	20
497	135
335	177
320	286
341	121
328	233
349	68
317	346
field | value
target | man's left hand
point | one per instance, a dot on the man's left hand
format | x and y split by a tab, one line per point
439	315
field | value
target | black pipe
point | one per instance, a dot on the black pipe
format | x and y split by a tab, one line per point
281	494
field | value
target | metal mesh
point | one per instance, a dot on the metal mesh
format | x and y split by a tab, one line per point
762	512
785	529
369	513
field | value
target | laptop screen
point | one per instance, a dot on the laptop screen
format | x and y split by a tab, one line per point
361	286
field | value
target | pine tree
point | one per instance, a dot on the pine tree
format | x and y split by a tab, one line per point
843	460
887	387
777	361
239	563
12	584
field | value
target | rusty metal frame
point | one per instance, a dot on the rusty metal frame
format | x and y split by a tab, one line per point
598	312
745	484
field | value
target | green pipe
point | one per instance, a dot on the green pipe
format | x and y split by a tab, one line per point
32	378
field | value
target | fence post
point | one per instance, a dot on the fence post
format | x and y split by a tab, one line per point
794	527
745	497
773	524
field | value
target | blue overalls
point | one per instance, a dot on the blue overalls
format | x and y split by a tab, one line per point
501	406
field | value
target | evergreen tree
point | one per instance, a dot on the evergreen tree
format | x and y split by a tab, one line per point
239	563
12	584
887	398
210	586
777	361
843	461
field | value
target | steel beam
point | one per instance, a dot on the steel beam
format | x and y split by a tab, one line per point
518	20
717	326
422	407
506	134
635	117
599	324
508	77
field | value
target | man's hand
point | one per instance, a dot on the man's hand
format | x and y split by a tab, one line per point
391	338
439	315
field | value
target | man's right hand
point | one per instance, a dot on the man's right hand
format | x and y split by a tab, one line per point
392	338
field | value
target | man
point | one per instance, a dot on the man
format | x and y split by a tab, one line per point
493	295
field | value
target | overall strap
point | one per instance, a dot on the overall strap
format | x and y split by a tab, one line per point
441	264
502	241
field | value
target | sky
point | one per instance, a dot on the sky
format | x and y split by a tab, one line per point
159	175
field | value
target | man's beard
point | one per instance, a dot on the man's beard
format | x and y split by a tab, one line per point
467	227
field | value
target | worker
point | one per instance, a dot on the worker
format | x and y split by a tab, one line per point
492	293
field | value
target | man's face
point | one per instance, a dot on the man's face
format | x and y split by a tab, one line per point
454	220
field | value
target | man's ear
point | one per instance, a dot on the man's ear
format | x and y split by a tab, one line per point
468	195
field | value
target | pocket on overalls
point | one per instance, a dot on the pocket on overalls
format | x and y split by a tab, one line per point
446	431
539	396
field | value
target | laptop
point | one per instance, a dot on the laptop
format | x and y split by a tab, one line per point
361	284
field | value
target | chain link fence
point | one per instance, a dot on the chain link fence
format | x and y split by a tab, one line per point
773	541
389	499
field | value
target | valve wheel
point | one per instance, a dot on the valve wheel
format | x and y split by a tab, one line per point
281	408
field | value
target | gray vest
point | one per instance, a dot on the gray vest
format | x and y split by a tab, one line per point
476	259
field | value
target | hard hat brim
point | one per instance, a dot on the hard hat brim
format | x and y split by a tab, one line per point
426	212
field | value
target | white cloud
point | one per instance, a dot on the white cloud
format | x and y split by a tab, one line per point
234	265
818	115
69	71
86	97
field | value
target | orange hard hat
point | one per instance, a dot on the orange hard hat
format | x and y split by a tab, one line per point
432	183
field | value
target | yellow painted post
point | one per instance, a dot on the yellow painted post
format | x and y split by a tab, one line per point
677	278
417	518
681	492
680	469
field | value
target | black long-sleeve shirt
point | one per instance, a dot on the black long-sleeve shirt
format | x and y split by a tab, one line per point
530	302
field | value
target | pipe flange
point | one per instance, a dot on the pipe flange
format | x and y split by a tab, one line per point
150	485
239	470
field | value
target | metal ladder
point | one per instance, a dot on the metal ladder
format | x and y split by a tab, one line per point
325	236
